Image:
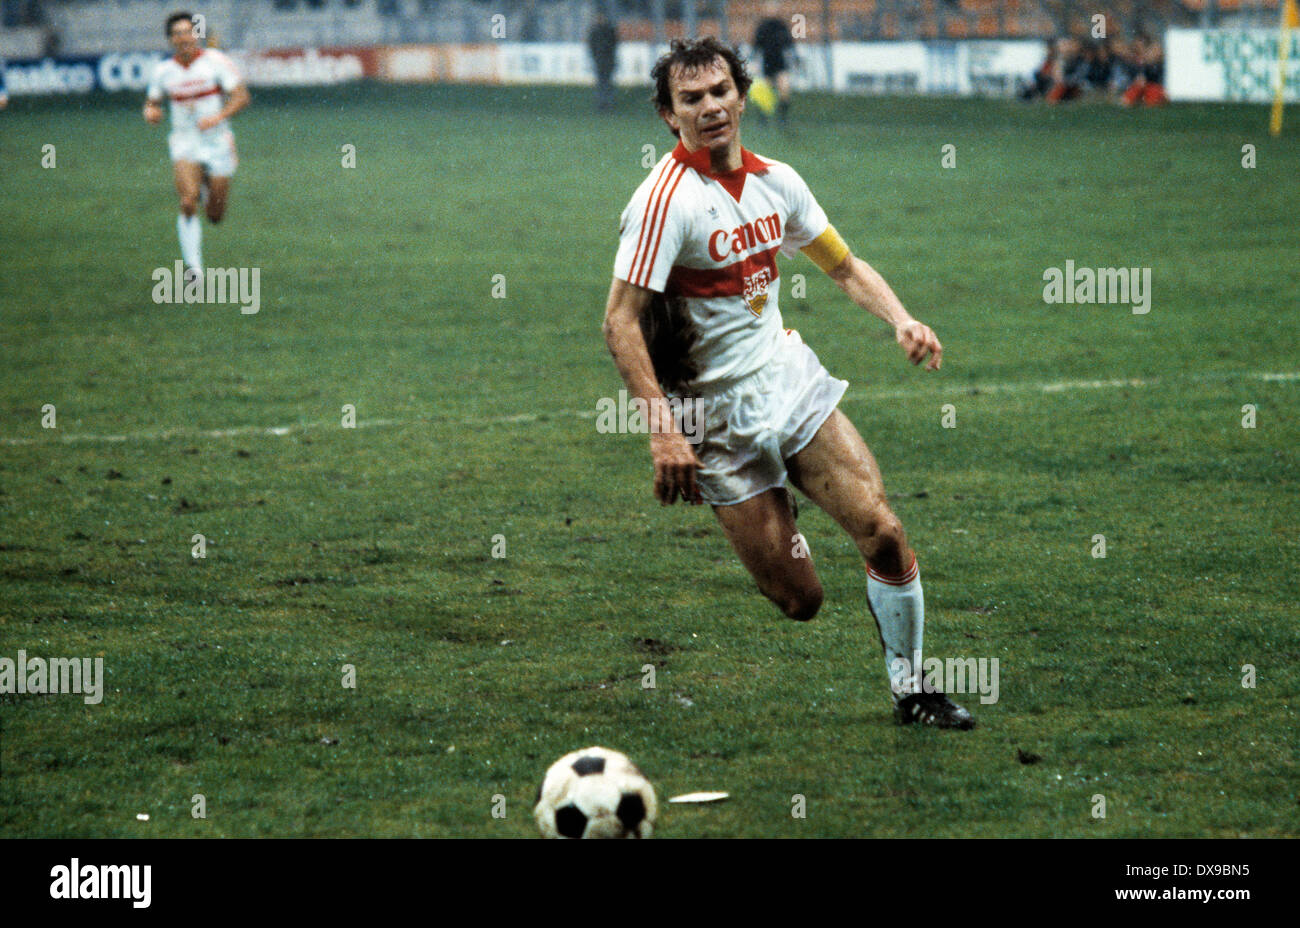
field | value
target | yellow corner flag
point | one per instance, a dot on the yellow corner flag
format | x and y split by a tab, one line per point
1290	20
764	96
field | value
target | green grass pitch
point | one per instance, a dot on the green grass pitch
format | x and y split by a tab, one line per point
373	546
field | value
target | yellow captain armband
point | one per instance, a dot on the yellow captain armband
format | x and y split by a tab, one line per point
827	250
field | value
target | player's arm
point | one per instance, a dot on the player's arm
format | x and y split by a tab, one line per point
674	460
864	286
237	100
153	98
153	112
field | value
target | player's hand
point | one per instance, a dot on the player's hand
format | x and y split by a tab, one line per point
675	467
209	122
152	114
4	100
919	340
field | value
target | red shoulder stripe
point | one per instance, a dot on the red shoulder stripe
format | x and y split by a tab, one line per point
636	255
656	207
663	221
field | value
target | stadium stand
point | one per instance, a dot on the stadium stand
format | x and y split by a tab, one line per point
90	27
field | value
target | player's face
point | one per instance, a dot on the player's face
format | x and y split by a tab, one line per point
706	107
182	38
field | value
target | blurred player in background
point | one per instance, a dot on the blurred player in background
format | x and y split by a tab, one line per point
201	143
1071	75
4	94
1043	77
773	41
1146	65
696	266
602	42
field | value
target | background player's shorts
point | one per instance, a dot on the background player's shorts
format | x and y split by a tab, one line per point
215	150
753	425
774	65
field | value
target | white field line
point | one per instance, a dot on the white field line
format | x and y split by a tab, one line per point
169	434
1063	386
524	418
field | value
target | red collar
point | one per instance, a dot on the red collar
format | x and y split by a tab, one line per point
732	181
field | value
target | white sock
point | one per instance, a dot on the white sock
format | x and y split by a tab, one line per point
899	609
190	232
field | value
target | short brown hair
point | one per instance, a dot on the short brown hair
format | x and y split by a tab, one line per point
173	20
690	55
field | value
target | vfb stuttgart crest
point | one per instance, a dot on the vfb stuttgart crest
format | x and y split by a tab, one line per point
756	290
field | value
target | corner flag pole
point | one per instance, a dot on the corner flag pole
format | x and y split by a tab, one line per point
1290	20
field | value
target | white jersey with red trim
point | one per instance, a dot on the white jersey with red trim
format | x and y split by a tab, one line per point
712	239
194	89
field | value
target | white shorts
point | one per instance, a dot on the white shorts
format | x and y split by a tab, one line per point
752	426
214	149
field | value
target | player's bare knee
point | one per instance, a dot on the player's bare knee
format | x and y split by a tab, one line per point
189	205
886	551
215	213
889	535
879	531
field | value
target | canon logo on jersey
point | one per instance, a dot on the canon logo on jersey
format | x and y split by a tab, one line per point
765	231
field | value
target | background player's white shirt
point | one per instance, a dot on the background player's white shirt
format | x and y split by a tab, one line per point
713	240
194	91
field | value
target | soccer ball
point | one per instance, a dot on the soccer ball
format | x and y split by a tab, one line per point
595	793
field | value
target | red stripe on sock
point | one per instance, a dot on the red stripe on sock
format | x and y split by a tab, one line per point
903	580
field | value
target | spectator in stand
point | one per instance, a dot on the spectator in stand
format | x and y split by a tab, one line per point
529	29
602	42
51	42
1147	60
1043	78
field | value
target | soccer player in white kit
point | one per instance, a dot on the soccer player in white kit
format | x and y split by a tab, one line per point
201	143
696	271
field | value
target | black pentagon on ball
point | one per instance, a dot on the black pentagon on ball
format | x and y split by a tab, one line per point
588	763
631	810
570	821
